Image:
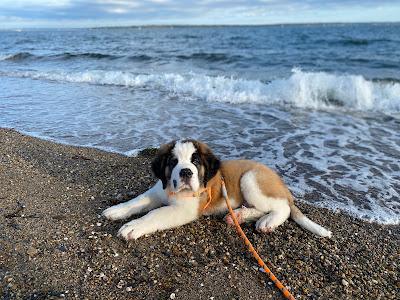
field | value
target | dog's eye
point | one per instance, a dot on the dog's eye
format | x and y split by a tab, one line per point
173	162
196	158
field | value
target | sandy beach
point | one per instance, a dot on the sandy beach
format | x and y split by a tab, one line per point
54	244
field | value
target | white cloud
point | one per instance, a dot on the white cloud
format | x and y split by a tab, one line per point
116	10
118	2
79	13
160	1
32	3
118	6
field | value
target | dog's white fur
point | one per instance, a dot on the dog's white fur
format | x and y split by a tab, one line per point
278	209
166	212
184	152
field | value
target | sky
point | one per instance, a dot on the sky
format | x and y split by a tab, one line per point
94	13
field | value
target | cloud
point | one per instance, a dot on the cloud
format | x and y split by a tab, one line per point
55	13
20	4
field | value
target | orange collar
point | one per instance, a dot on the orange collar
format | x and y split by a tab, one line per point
195	194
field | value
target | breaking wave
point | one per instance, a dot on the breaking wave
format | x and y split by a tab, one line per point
68	55
316	90
17	56
210	57
21	56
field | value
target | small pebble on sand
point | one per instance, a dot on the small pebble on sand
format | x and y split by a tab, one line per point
345	282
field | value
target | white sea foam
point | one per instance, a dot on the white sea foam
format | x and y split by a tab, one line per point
316	90
5	57
381	207
335	160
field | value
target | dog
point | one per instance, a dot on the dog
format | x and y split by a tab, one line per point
190	183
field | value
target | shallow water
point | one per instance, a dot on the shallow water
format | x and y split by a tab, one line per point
320	104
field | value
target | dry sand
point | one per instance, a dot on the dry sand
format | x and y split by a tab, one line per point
55	245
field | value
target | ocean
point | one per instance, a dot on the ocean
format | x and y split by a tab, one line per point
320	104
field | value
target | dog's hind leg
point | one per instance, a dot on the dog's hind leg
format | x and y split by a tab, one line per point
272	220
143	203
275	210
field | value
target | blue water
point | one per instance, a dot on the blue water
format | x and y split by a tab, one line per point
318	103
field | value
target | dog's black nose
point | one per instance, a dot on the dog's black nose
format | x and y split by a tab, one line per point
186	173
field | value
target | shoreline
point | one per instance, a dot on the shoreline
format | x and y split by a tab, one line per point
53	243
129	153
149	151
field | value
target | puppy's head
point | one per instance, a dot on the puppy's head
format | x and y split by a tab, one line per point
185	165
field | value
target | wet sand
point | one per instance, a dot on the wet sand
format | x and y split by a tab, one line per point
54	244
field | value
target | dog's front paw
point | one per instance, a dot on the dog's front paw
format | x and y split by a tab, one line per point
134	230
116	212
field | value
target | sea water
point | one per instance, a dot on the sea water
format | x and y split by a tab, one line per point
318	103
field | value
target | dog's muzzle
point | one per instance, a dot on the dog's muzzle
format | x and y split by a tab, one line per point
186	174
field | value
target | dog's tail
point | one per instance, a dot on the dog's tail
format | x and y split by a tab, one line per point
306	223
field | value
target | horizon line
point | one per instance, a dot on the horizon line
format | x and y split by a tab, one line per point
202	25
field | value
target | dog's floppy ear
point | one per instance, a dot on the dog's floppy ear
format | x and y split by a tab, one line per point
159	163
210	161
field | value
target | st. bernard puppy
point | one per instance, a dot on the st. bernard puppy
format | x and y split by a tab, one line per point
185	169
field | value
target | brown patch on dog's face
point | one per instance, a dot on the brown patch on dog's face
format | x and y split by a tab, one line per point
161	164
206	162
